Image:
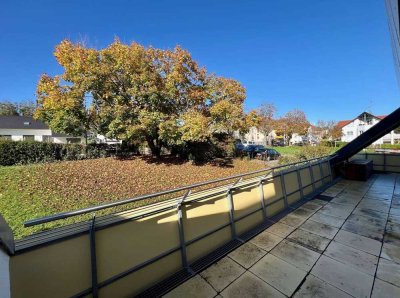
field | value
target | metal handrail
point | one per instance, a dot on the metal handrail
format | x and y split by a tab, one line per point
64	215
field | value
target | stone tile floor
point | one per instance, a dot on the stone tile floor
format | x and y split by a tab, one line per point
348	247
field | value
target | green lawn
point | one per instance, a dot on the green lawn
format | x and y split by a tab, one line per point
288	150
31	191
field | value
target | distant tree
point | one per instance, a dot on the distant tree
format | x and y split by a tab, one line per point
336	132
8	109
294	121
266	120
329	129
27	108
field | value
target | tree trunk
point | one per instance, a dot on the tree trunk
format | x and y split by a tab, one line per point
155	147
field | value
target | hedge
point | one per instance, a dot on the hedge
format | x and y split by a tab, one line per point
26	152
389	146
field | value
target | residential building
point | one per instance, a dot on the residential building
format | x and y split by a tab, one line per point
254	136
22	128
355	127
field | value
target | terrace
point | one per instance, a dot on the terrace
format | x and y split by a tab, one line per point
346	243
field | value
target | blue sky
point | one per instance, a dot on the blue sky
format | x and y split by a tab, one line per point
331	59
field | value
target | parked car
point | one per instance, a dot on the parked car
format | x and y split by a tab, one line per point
278	143
251	150
269	154
239	147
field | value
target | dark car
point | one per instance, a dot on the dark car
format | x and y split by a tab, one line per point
251	150
239	147
269	154
278	143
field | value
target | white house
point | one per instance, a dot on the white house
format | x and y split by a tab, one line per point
353	128
17	128
254	136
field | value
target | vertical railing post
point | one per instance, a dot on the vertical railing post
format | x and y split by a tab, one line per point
384	161
321	172
182	241
299	182
330	169
312	176
261	187
232	208
285	199
93	260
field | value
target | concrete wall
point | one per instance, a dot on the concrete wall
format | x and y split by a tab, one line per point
62	268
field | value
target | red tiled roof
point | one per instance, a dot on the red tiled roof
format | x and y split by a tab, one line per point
343	123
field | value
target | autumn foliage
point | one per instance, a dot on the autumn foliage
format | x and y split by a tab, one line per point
137	93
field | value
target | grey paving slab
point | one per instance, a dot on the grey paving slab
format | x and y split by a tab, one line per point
394	219
384	290
311	206
389	271
392	237
315	287
393	227
344	277
375	205
368	220
278	273
295	254
222	273
369	212
364	230
266	240
249	285
347	200
194	287
365	244
280	229
328	220
247	254
292	220
358	259
337	210
391	252
309	240
319	229
303	212
319	202
395	212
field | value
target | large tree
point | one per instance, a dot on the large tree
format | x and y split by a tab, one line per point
159	96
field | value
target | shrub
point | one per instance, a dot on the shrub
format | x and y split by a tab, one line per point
390	146
305	153
219	146
25	152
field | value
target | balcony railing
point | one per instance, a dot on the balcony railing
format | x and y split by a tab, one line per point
127	252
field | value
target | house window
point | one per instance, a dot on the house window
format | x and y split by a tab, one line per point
5	137
47	139
73	140
28	138
349	133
